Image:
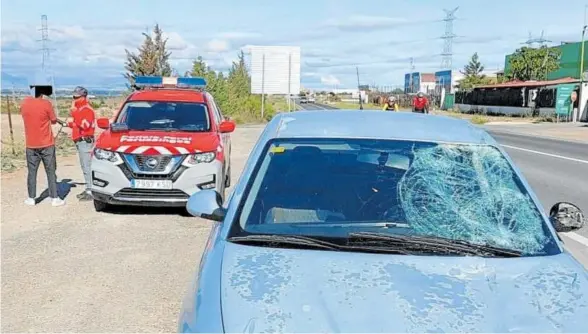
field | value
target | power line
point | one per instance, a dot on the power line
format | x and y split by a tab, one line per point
447	59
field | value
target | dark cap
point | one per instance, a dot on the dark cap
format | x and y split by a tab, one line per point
80	91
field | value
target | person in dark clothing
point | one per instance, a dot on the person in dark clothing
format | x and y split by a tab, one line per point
38	115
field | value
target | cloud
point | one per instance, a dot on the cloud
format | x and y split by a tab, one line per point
218	45
363	22
330	80
238	35
93	52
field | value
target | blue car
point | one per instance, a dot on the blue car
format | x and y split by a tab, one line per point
364	221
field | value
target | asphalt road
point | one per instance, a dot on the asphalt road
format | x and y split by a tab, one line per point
314	106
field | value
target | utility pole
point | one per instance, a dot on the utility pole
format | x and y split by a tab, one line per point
262	86
46	60
447	54
359	89
581	97
289	80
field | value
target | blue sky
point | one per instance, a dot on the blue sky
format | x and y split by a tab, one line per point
89	38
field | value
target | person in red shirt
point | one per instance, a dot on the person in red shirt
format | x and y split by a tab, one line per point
420	104
82	133
38	115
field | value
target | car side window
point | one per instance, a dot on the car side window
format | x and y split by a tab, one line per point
220	113
217	114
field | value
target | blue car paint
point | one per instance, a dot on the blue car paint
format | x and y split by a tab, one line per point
201	309
286	290
218	285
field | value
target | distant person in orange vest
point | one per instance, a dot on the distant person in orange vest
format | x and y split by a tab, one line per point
38	116
420	104
83	126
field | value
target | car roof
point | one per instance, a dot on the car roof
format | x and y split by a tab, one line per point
377	124
175	95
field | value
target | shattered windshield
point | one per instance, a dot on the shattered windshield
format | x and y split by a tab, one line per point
331	188
165	116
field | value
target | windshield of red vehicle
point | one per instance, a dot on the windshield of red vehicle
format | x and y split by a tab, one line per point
334	187
165	116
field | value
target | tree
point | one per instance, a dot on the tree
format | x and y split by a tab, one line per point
152	57
533	64
239	79
472	72
397	91
163	67
474	68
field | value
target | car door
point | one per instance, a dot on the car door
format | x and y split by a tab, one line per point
225	137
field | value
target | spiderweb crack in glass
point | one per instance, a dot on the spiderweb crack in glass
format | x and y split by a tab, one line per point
469	193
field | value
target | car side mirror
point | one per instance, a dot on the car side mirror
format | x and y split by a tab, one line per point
207	204
103	123
118	127
566	217
227	126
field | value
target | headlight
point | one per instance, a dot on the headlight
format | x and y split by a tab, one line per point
199	158
113	157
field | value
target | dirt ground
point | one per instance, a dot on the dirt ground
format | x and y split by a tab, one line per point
71	269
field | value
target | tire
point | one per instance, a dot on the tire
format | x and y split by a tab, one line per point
100	206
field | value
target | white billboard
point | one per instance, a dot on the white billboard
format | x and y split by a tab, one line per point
275	69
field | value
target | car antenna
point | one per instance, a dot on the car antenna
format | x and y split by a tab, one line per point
359	88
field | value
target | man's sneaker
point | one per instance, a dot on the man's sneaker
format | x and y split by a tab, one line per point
86	196
30	201
80	195
57	202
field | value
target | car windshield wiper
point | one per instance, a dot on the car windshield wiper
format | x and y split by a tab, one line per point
383	224
295	241
284	240
429	244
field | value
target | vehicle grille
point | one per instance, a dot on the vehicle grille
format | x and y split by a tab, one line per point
162	162
172	176
151	193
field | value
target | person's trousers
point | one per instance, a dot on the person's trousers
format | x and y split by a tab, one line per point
85	155
34	157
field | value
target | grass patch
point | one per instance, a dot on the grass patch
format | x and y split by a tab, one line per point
64	146
479	119
354	105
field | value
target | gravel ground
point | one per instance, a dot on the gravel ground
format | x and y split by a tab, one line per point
71	269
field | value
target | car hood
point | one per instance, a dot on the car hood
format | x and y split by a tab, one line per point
287	290
158	142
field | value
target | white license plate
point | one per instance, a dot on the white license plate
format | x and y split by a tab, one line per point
152	184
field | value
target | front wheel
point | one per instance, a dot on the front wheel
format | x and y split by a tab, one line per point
100	206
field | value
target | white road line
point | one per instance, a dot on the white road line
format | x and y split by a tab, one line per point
547	154
319	106
576	237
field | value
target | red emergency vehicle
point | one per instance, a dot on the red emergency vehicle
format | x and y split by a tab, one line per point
168	140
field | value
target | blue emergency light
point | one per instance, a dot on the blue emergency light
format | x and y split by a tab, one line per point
182	82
